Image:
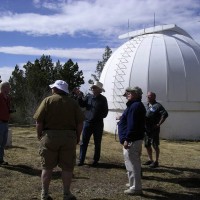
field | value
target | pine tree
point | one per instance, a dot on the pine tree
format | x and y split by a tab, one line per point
31	85
100	65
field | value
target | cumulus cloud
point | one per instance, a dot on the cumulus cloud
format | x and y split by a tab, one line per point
106	19
73	53
5	72
101	17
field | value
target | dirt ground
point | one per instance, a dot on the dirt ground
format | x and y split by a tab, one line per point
177	178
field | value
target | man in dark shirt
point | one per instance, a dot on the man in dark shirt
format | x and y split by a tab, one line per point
155	116
131	128
96	108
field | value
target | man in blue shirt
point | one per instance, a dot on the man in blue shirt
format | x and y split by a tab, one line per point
96	109
131	128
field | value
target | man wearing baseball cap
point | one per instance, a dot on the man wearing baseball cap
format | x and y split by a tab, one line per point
131	128
59	125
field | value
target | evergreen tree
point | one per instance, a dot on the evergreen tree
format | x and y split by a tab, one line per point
18	93
38	77
101	64
31	85
71	74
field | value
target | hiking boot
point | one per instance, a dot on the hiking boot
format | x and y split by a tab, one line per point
3	162
149	162
132	192
153	165
69	196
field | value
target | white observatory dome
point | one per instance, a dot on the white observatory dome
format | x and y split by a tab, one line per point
163	59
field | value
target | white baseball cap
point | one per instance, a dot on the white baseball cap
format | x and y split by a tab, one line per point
61	85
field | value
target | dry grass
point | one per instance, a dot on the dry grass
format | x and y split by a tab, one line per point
178	176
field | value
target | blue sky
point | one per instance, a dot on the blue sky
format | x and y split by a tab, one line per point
81	30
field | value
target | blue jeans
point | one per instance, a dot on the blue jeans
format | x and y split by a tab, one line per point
88	129
3	138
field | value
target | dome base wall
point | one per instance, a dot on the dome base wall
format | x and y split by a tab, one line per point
182	125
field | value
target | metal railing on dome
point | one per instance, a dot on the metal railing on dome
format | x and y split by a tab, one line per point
120	76
120	72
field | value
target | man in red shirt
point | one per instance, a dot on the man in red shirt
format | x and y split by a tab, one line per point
4	117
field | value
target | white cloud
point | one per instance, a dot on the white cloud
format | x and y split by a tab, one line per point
74	53
5	72
88	68
102	17
105	18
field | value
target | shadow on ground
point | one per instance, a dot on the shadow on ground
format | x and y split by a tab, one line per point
25	169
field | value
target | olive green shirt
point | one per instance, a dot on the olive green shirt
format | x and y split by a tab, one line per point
59	112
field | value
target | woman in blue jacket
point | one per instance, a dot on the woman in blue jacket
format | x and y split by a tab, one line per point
131	128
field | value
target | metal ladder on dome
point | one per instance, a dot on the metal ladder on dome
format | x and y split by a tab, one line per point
119	77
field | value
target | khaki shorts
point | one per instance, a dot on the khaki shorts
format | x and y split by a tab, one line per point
58	148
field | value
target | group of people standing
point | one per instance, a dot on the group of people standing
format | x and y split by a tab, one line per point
60	122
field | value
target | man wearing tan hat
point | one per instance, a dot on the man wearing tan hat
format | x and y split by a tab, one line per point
96	110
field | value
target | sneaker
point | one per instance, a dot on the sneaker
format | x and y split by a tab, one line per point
132	192
69	196
153	165
149	162
45	197
3	162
